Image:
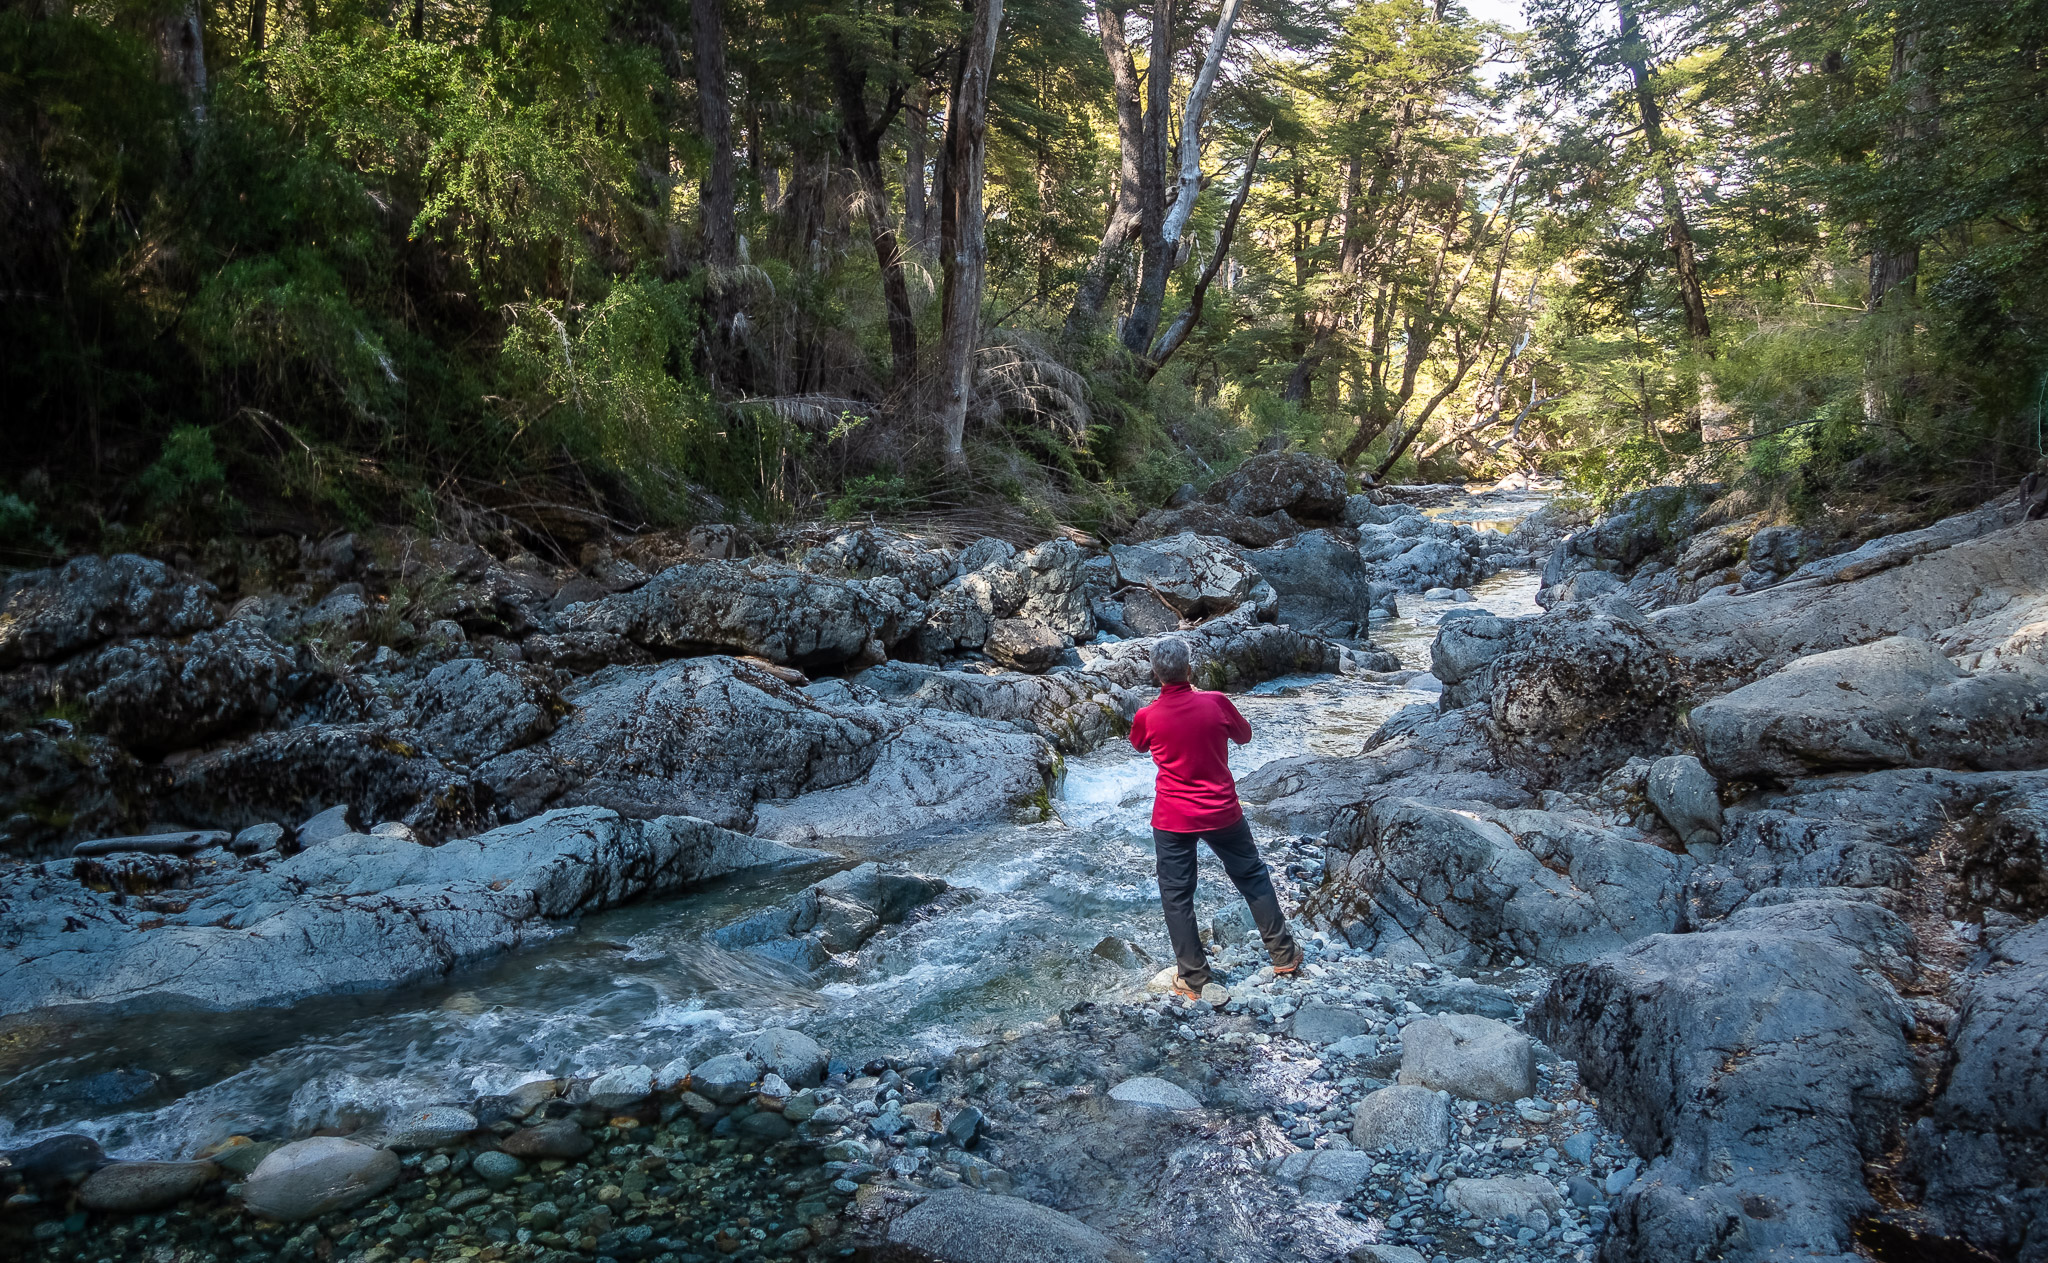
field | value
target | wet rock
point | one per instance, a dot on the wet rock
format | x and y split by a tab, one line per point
1404	1117
433	1127
357	912
1897	702
47	614
154	843
1198	576
1322	583
132	1187
1687	796
960	1226
1150	1093
471	710
964	1126
1326	1024
555	1138
380	770
1231	653
1327	1175
621	1087
1023	644
1472	1057
1765	1061
838	914
1523	1199
48	1163
496	1167
792	1054
673	1075
725	1080
309	1178
1300	484
240	1155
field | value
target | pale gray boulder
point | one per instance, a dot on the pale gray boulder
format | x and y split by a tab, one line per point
1468	1056
795	1056
1897	702
130	1188
1523	1200
1023	644
1405	1117
357	913
1326	1176
1463	653
837	915
1688	797
1322	584
1075	711
1760	1066
622	1087
1230	653
959	1226
49	614
1198	576
1418	753
1298	483
308	1178
1146	1092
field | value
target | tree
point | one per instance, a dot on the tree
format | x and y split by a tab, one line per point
963	246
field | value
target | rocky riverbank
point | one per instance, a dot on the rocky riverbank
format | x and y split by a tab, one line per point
1694	917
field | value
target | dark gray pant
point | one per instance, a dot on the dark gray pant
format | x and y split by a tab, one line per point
1233	845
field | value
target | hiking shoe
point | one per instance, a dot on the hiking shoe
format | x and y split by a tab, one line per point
1184	991
1291	967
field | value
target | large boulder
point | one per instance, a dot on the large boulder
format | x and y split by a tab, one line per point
1198	576
1966	1161
359	912
1047	583
1686	795
1897	702
471	710
1468	1056
1759	1066
1406	1117
1463	654
1580	690
1413	880
759	607
158	695
1075	711
1214	519
309	1178
1230	653
721	738
1443	758
959	1226
49	614
1297	483
383	771
1023	644
1323	584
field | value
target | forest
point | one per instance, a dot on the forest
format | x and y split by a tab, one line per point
570	265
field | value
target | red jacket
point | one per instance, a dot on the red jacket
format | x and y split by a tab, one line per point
1185	731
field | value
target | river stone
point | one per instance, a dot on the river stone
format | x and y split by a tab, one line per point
725	1080
1462	995
1354	1046
620	1087
1326	1175
1687	796
1472	1057
1326	1024
792	1054
243	1158
1197	575
308	1178
58	1160
1526	1199
960	1226
765	1125
256	838
325	827
1150	1093
496	1167
1023	644
674	1076
531	1095
434	1127
1405	1117
555	1138
1386	1254
154	843
128	1187
964	1126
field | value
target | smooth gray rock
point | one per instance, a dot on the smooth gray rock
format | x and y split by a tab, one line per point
326	826
1765	1061
154	843
257	838
1687	796
1322	584
309	1178
356	913
1149	1093
499	1169
1898	702
1472	1057
1522	1199
555	1138
1198	576
1354	1046
1406	1117
869	552
433	1127
795	1056
1326	1175
128	1188
1023	644
725	1080
1297	483
1462	656
47	614
622	1086
1326	1024
959	1226
673	1075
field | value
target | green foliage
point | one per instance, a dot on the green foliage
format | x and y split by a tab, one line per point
188	482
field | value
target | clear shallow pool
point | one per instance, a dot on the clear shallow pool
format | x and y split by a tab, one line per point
1014	941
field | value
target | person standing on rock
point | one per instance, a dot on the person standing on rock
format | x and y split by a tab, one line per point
1187	732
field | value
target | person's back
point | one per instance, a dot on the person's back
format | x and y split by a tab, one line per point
1187	732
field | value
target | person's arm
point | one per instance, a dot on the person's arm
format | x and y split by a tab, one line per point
1140	737
1237	726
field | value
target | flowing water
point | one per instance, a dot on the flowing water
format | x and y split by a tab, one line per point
1013	941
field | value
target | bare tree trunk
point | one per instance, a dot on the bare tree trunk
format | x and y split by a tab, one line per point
259	19
963	246
714	118
419	20
181	56
860	139
1678	232
1130	131
1177	332
1895	270
917	216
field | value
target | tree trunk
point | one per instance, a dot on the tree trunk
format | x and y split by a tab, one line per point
181	56
860	139
714	119
1183	324
917	219
963	247
1130	130
259	18
419	20
1678	232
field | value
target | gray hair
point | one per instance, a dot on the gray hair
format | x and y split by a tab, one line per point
1171	663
